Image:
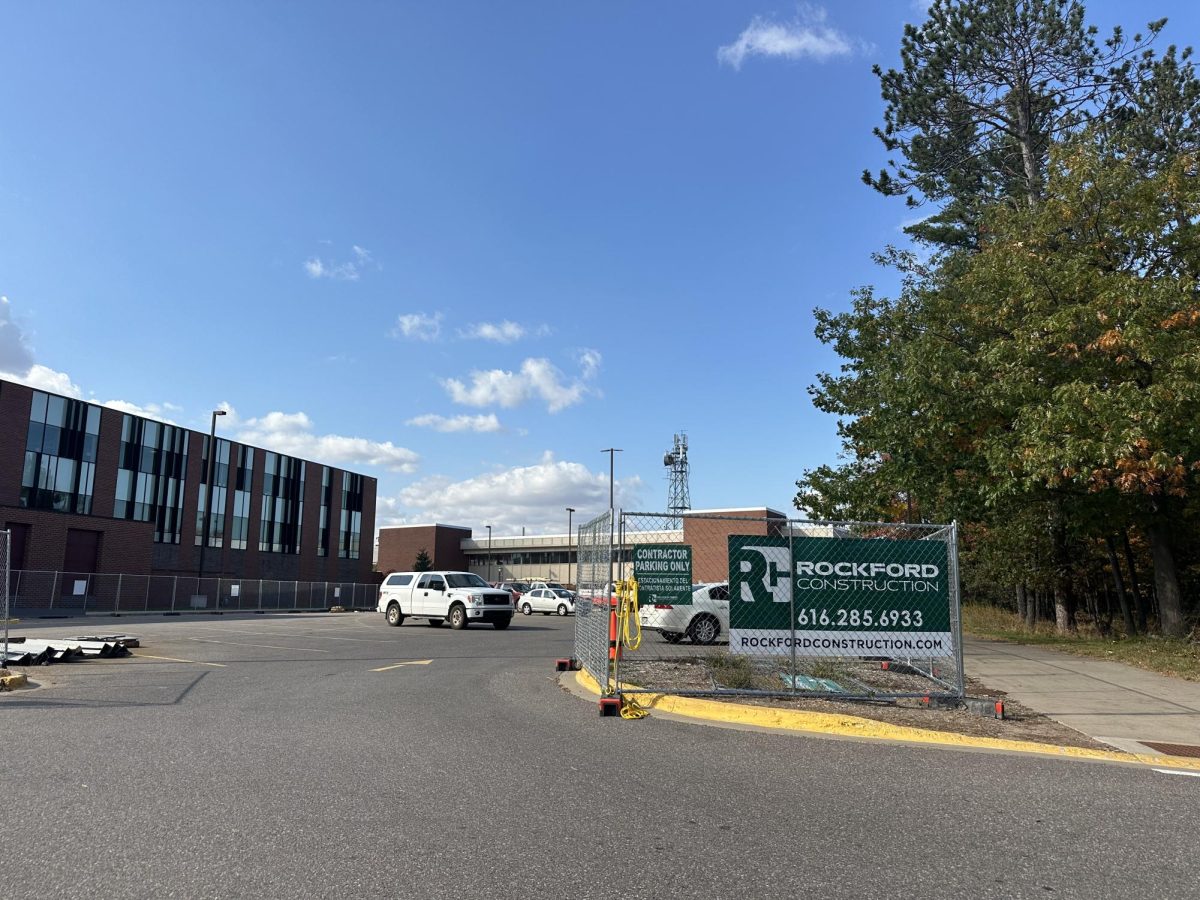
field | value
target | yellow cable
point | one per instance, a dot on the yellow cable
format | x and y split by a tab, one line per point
629	636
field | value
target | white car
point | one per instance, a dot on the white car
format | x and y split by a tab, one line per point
704	622
547	600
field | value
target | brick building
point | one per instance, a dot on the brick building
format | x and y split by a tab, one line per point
553	557
85	488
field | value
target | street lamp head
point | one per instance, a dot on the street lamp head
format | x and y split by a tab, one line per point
218	412
570	509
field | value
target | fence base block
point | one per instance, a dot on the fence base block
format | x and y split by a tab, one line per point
568	664
610	706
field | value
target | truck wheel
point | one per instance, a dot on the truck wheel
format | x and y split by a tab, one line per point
394	616
458	617
501	624
435	623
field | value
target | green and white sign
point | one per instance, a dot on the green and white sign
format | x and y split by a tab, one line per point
839	597
663	573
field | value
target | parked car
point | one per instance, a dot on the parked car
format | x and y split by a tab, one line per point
706	620
516	588
546	601
550	585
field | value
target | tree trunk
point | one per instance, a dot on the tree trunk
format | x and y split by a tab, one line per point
1022	600
1064	593
1029	160
1136	588
1064	608
1119	582
1031	610
1166	579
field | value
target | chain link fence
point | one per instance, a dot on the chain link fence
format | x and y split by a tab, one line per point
775	606
5	541
68	593
594	576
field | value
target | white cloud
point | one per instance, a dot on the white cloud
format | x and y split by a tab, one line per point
457	423
15	355
315	267
44	378
418	326
292	433
807	35
536	378
532	497
502	333
589	362
150	411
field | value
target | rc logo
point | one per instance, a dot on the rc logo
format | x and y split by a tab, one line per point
766	575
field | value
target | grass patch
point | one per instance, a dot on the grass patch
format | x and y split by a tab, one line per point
829	669
732	671
1166	656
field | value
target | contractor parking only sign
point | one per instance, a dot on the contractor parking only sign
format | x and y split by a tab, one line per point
839	597
663	573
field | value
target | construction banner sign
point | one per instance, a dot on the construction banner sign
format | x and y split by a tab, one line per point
831	596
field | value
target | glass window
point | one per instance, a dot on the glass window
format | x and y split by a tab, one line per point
56	410
37	412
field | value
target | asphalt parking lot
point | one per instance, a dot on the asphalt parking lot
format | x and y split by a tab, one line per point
331	755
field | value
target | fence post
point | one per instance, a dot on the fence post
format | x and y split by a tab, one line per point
53	589
117	601
792	597
956	607
174	589
149	581
260	596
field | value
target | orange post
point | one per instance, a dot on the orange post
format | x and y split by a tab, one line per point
614	650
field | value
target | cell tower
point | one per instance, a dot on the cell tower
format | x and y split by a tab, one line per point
679	498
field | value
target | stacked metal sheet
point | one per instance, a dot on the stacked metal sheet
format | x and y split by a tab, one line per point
24	651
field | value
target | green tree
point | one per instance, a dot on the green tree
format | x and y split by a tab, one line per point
984	89
422	563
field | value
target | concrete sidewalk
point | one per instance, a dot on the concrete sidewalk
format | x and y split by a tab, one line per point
1109	701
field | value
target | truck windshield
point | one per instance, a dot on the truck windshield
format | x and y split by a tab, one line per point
465	579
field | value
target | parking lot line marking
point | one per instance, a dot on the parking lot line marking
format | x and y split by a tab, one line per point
174	659
1176	772
268	646
411	662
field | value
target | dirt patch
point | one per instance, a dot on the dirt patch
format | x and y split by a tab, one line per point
1019	724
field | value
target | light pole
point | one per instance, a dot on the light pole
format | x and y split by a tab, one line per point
570	512
612	453
212	454
489	578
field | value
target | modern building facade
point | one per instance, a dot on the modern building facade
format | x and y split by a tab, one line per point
553	557
89	489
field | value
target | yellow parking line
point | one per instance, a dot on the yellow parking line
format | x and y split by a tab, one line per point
174	659
411	662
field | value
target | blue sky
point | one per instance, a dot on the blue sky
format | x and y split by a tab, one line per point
461	246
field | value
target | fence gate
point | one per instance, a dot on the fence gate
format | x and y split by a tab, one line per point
594	586
774	606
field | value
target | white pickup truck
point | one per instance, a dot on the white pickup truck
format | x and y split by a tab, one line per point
460	597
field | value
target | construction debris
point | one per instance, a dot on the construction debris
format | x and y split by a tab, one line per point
23	651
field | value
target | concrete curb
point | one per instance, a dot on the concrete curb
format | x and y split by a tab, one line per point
835	724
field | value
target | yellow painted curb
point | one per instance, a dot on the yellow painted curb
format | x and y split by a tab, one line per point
12	682
855	726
